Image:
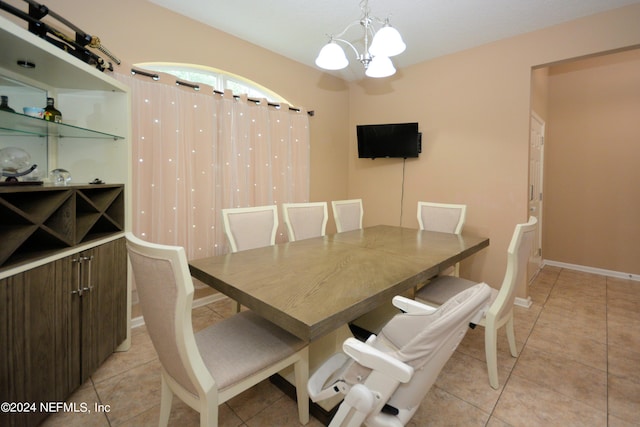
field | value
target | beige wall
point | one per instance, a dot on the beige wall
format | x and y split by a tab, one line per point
592	192
473	108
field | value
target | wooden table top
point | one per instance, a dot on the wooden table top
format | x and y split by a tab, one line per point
311	287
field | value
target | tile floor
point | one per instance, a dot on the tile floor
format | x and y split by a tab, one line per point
579	365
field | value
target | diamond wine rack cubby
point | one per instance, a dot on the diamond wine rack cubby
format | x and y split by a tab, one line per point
37	221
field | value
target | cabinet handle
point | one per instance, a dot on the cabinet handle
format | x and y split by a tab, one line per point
79	270
89	269
78	262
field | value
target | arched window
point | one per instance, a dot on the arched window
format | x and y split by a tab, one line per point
219	79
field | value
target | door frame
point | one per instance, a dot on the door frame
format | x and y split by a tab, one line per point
536	197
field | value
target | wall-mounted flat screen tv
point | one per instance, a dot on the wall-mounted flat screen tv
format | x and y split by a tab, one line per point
400	140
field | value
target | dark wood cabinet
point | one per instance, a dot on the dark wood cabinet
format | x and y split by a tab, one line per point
103	275
59	322
55	241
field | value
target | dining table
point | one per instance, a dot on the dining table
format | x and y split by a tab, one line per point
312	287
315	287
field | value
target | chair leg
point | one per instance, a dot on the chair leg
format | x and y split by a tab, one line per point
166	396
301	369
237	305
511	336
491	352
209	413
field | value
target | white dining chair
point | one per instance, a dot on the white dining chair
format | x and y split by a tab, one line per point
500	312
444	218
250	228
385	379
207	368
347	214
305	220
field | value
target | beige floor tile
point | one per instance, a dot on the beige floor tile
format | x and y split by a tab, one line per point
624	307
141	352
624	362
203	317
580	286
631	288
564	376
618	422
132	392
250	402
623	332
524	320
497	422
539	292
580	277
548	275
466	378
624	398
440	408
573	323
564	343
623	298
225	307
282	413
594	310
473	345
525	403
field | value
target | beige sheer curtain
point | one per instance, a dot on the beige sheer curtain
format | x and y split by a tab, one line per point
197	152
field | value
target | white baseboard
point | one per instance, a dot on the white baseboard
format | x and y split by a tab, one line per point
593	270
139	321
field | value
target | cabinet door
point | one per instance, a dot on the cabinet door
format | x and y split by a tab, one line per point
104	307
36	348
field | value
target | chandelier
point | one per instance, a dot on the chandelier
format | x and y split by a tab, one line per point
375	58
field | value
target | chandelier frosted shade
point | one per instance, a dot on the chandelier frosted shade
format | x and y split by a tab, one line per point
387	42
332	57
380	66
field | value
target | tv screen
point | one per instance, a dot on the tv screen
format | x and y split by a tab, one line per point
400	140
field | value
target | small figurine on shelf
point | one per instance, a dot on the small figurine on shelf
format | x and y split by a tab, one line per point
60	177
4	104
51	113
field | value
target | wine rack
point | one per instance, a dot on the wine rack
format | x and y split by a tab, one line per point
37	221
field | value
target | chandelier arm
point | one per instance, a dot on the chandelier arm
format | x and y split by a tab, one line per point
350	45
345	30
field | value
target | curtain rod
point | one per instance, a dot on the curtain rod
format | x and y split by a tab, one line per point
194	86
146	74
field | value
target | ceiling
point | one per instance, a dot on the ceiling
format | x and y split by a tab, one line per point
298	29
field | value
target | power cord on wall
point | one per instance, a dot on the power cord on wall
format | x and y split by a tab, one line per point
404	164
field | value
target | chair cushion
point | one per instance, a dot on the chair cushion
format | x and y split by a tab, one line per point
243	345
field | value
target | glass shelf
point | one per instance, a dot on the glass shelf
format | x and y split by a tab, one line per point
15	124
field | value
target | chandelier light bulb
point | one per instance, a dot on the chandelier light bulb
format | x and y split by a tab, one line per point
332	57
380	66
387	42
